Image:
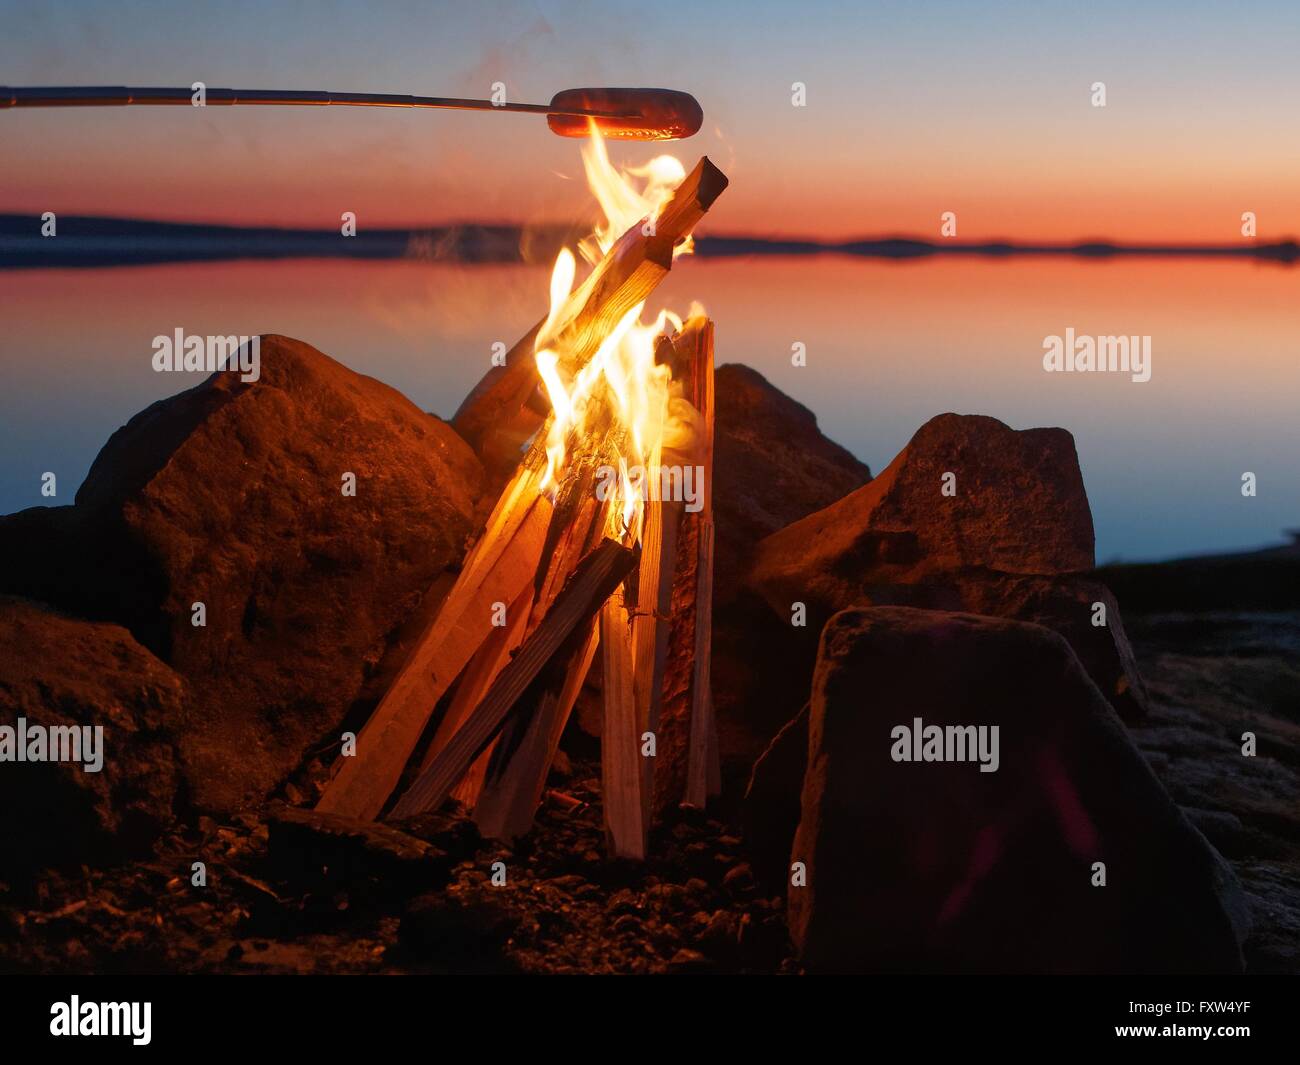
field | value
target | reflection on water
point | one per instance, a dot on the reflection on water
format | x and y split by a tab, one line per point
889	344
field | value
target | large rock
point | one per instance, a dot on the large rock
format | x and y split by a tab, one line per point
59	673
939	866
1066	604
1018	505
230	495
772	465
1014	541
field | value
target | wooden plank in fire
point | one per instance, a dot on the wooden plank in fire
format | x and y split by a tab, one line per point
703	772
516	775
474	683
577	603
650	624
684	769
621	772
506	555
507	804
500	567
635	645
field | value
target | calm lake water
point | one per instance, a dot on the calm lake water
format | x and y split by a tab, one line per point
889	344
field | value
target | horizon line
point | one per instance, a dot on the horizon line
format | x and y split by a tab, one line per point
104	240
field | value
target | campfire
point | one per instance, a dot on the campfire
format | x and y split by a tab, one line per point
600	542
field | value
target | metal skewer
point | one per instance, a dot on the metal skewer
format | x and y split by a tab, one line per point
629	114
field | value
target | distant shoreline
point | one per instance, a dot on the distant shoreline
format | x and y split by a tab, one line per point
86	241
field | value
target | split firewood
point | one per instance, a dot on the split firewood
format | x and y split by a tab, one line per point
622	783
500	568
517	774
482	670
496	417
577	603
684	772
704	773
506	556
650	625
516	779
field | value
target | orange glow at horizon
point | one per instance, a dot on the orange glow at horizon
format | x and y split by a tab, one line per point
837	192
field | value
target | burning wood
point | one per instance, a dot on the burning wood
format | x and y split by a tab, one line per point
622	782
499	569
688	702
498	415
584	504
491	659
516	776
593	581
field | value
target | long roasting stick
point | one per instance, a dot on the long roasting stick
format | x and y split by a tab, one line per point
620	113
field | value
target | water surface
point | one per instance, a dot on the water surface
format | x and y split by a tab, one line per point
889	345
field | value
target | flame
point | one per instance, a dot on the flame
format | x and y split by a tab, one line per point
622	202
646	400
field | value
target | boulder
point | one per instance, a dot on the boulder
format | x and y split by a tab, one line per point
231	494
1079	608
1017	505
940	866
1013	541
772	465
60	673
1065	604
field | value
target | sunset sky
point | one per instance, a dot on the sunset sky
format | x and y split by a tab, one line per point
913	109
